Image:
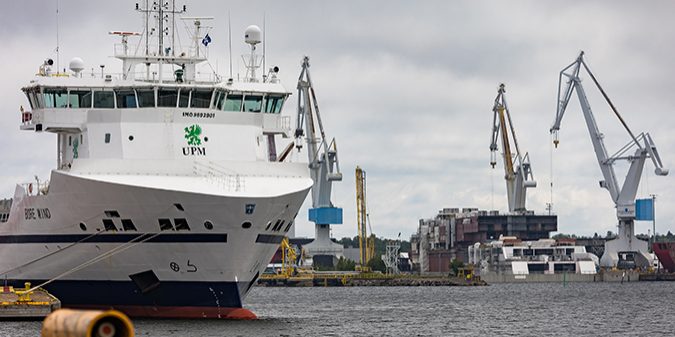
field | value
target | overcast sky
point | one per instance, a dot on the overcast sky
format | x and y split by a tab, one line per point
407	88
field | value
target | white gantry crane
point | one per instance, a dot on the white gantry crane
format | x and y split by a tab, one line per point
626	250
518	172
324	169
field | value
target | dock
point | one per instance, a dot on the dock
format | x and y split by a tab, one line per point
348	279
657	276
16	303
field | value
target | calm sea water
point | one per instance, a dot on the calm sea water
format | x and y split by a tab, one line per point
581	309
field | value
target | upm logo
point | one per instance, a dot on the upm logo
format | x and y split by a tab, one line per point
193	135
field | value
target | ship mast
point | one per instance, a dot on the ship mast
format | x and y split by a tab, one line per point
164	13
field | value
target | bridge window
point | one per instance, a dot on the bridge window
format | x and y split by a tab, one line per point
184	98
201	98
274	104
219	100
167	97
36	100
80	99
146	98
56	98
104	99
233	103
30	101
252	103
126	98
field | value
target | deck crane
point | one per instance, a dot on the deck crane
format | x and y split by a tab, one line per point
626	250
324	168
517	168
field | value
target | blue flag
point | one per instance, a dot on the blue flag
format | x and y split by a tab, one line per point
206	40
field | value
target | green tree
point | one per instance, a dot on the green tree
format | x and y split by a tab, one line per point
455	265
345	264
376	264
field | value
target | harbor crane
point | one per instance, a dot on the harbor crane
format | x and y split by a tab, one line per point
366	244
517	168
324	169
626	250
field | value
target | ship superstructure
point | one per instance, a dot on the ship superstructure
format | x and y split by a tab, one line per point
169	196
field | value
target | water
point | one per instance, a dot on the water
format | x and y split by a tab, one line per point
577	309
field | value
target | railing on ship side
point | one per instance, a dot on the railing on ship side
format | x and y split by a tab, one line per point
212	171
36	188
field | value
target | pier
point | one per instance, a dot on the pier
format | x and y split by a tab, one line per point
20	304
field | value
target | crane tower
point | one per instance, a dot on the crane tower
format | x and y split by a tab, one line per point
324	169
517	168
626	250
366	243
361	216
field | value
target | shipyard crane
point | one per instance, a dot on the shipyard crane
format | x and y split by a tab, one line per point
626	250
517	168
366	243
324	168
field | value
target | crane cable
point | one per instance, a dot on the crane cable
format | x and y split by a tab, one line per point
550	204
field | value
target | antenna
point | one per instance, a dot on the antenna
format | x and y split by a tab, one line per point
58	65
229	32
263	51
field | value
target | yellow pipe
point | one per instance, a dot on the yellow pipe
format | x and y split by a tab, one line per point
87	323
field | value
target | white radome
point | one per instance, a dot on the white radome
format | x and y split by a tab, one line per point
76	65
253	35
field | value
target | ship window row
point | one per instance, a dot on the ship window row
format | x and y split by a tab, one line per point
163	97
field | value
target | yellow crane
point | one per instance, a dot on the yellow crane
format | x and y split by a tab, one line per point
366	244
288	258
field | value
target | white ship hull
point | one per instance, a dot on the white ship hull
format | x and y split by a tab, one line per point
182	270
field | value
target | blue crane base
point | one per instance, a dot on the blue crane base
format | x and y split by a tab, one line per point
326	215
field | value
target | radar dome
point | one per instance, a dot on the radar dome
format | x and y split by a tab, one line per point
252	35
76	65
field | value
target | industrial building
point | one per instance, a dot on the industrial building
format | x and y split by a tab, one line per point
448	235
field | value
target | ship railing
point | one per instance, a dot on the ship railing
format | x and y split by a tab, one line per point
36	188
153	77
229	181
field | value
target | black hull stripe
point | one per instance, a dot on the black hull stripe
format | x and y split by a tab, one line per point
112	238
168	293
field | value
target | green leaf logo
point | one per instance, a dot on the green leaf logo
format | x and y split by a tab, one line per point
192	134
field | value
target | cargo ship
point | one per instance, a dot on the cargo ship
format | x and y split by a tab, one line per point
665	252
169	196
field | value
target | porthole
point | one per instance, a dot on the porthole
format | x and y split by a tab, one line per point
131	138
83	226
246	225
208	225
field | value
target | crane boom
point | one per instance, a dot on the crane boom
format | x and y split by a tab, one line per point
517	169
624	196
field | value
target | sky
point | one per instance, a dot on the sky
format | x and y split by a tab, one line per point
407	88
